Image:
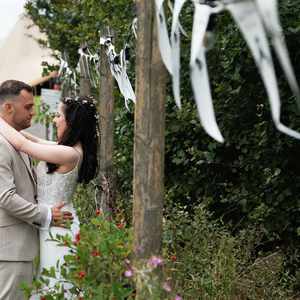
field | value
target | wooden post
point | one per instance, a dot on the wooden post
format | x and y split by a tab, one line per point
106	108
85	85
149	140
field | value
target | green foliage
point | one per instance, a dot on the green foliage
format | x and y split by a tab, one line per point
85	201
205	255
42	114
252	180
209	263
70	23
96	264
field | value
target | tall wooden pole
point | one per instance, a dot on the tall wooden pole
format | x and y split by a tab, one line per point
149	140
106	109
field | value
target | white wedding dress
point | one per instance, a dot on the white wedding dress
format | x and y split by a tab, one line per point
52	189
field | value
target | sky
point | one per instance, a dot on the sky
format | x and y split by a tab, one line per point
9	13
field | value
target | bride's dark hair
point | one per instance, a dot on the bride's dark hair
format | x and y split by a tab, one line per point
82	126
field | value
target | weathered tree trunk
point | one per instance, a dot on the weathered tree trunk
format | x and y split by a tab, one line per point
85	84
85	87
106	107
149	143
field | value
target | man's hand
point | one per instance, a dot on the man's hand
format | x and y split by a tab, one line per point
59	217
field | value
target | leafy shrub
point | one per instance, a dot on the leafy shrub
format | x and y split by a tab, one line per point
210	263
99	267
95	266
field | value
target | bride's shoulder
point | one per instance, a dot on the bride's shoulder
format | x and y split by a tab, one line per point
78	149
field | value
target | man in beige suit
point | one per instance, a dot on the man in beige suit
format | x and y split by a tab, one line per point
20	215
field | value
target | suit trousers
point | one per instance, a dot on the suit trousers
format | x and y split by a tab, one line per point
12	274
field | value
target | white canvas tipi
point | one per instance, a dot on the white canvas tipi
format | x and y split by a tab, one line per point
21	55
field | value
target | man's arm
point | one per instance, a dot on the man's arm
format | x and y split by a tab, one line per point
35	214
13	203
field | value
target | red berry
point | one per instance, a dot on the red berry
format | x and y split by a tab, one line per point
77	239
95	253
81	274
173	258
120	226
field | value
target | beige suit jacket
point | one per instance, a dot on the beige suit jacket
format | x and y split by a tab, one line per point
20	215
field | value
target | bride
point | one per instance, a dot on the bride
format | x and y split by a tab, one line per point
72	160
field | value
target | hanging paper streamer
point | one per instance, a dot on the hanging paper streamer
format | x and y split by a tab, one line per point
175	50
123	80
199	73
163	36
134	27
269	13
95	67
246	15
67	76
254	18
118	67
88	65
170	5
62	67
84	63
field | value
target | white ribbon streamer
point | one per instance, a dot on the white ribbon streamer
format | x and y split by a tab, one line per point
119	71
62	67
269	13
134	27
175	50
170	5
199	73
163	36
65	74
246	15
84	64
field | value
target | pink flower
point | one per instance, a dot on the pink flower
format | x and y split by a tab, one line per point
167	287
128	273
138	249
177	297
155	261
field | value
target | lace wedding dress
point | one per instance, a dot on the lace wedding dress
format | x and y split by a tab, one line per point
52	189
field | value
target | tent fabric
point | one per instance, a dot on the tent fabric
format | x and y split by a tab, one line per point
21	55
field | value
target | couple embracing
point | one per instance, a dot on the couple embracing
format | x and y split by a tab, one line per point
34	202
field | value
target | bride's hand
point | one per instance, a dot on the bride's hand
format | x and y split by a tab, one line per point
60	218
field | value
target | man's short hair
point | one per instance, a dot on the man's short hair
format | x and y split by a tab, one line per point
10	89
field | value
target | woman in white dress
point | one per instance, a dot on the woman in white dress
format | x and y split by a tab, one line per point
62	165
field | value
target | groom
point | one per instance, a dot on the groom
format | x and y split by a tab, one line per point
20	215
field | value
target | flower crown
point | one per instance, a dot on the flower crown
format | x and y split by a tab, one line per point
87	101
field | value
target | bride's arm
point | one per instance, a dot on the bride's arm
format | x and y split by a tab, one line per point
36	139
57	154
